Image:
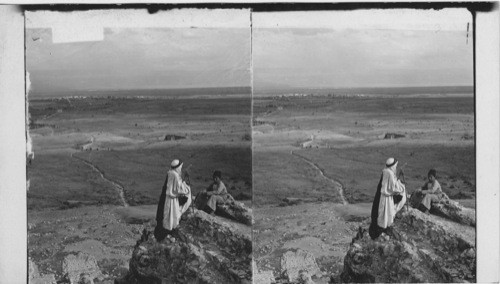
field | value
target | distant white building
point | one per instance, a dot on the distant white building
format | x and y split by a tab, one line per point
308	143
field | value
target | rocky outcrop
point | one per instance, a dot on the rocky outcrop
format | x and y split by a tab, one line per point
449	209
230	209
421	248
236	211
454	211
205	249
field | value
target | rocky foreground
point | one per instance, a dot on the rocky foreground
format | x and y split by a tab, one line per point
439	247
104	245
423	248
211	249
206	250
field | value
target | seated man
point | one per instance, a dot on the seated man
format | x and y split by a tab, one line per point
216	193
430	192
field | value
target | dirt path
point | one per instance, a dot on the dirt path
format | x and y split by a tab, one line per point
336	184
118	187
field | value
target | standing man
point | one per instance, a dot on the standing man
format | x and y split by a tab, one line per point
384	207
173	188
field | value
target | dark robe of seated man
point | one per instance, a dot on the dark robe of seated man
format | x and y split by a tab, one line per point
216	193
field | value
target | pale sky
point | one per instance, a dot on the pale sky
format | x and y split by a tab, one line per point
134	50
192	48
370	48
404	19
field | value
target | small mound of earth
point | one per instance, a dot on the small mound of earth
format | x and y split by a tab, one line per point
262	128
393	136
173	137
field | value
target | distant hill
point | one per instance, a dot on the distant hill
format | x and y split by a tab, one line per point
374	90
179	92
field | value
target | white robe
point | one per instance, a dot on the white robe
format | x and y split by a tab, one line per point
390	186
172	211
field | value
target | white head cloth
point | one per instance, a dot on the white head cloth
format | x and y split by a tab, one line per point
392	164
176	165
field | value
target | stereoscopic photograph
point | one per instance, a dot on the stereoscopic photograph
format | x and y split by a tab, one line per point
363	143
252	143
140	167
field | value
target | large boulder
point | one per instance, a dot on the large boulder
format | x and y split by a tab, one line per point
230	209
206	249
454	211
262	276
449	209
236	211
293	263
80	268
421	248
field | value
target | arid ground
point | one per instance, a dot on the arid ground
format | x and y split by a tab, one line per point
100	164
317	160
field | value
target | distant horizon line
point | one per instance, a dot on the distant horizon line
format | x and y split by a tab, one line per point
249	89
460	88
227	90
